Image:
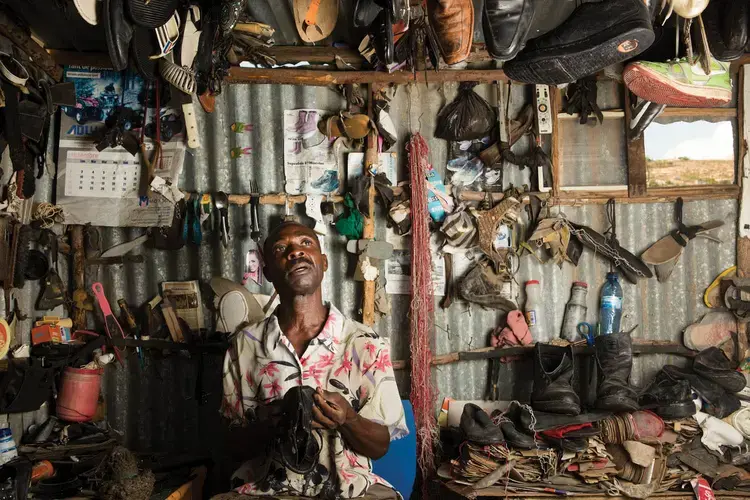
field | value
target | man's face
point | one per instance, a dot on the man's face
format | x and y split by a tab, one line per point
295	264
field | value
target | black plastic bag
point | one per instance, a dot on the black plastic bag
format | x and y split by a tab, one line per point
468	117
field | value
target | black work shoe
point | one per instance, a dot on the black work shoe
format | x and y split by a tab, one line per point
714	365
515	434
553	372
506	26
478	427
614	359
668	397
714	18
716	400
596	35
298	445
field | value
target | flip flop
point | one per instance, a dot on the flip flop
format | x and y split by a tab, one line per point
315	19
712	296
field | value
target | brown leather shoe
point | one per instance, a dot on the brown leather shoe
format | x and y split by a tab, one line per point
453	23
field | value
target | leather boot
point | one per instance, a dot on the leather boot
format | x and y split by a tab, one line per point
478	427
714	365
614	359
716	400
553	373
118	32
596	35
736	23
453	23
506	26
714	21
668	397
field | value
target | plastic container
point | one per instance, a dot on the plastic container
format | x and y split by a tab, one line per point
8	450
610	311
532	311
79	394
575	311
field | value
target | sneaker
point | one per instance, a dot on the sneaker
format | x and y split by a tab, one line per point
326	183
678	83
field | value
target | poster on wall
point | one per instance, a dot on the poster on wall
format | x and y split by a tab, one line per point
398	273
310	166
101	187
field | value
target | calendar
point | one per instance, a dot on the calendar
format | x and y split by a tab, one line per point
106	174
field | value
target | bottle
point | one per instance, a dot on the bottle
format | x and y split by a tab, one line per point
575	311
7	446
532	312
610	311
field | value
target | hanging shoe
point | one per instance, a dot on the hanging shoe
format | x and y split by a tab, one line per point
477	426
614	357
668	397
678	83
596	35
714	365
483	286
506	24
715	21
118	31
453	23
553	373
735	23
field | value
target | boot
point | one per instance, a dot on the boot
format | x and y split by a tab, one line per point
716	400
614	359
714	21
596	35
453	23
553	372
714	365
668	397
477	426
506	26
735	24
515	434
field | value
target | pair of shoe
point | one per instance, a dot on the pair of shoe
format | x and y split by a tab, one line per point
479	428
711	377
554	368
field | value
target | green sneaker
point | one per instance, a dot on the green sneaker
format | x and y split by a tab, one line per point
678	83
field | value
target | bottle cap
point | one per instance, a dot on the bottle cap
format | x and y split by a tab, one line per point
581	283
532	282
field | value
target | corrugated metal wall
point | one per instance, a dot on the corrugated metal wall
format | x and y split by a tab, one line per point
157	407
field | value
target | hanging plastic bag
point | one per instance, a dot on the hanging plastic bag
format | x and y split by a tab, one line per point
467	117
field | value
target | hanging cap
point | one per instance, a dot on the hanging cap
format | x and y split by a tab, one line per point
532	282
581	283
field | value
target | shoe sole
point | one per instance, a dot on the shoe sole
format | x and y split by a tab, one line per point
558	407
568	63
616	404
676	410
652	86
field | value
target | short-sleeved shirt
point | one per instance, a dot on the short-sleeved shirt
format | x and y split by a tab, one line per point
346	357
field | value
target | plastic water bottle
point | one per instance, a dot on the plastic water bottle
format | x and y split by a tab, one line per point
575	311
7	446
610	311
534	316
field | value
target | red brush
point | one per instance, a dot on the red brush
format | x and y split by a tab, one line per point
110	322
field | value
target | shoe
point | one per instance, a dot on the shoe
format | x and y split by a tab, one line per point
668	397
326	183
513	430
506	24
553	373
365	12
716	400
596	35
299	448
310	124
478	427
614	359
453	23
678	83
296	149
714	365
714	21
717	433
301	119
382	35
735	24
483	286
118	31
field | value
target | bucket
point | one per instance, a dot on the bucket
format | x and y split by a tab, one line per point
79	394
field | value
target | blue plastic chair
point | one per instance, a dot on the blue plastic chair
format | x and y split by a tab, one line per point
399	465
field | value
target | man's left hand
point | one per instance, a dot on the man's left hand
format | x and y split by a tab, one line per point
331	410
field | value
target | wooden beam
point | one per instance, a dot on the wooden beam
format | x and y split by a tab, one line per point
325	77
655	195
39	57
368	233
743	222
636	156
640	346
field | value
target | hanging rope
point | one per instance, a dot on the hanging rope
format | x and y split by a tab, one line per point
422	310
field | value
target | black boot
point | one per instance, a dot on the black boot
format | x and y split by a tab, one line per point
717	33
506	26
614	359
515	434
596	35
714	365
668	397
716	400
553	373
478	427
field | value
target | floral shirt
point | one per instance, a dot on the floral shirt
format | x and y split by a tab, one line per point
346	357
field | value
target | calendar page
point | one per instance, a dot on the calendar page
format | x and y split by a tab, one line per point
102	175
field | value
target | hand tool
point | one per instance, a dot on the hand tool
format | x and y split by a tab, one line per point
254	202
110	322
221	200
132	326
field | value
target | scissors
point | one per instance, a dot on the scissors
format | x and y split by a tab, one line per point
587	331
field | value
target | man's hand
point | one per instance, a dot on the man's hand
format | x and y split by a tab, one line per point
331	410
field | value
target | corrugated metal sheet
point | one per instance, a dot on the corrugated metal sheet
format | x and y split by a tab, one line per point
157	407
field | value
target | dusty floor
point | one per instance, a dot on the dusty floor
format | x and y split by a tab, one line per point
663	173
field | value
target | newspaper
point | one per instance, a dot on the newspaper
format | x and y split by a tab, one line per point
186	298
310	165
398	273
101	188
355	166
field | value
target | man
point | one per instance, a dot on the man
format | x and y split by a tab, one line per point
357	410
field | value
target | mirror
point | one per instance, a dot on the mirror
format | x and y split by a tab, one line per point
692	153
